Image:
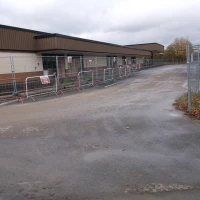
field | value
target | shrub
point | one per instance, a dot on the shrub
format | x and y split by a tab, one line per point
182	104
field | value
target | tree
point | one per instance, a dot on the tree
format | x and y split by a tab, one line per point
177	49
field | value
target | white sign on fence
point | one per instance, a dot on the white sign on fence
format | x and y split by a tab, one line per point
69	59
44	79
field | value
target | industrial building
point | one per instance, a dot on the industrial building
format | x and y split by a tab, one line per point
33	53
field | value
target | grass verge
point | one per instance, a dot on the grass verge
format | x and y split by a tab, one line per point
182	104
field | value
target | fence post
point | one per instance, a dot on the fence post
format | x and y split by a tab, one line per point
12	66
26	88
92	78
56	81
96	68
74	63
79	80
57	69
81	63
188	76
104	75
198	81
112	73
13	73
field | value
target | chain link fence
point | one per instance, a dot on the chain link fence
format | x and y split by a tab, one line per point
148	63
193	72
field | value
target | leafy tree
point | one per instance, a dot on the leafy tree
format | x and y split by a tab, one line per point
177	49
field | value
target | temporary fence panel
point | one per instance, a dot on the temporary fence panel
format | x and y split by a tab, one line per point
41	85
68	81
12	89
101	63
133	69
116	73
86	79
128	70
89	63
193	70
98	76
72	64
115	62
124	61
108	75
122	72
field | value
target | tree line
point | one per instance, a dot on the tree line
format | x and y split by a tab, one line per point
176	50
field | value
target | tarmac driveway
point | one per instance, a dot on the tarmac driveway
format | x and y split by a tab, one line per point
121	142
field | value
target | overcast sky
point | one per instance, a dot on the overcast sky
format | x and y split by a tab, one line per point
115	21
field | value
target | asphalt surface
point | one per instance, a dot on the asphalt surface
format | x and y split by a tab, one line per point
121	142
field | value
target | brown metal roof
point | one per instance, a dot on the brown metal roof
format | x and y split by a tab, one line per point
152	47
19	39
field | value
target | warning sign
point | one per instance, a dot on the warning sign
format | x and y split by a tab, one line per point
44	79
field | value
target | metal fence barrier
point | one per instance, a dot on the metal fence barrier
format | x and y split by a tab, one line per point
108	75
133	69
116	73
128	70
68	81
98	76
193	72
12	89
75	72
86	79
122	72
41	85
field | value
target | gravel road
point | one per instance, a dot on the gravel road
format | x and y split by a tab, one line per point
121	142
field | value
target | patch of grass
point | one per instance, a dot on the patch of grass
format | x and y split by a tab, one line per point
182	104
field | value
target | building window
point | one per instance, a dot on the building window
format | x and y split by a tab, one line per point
123	60
133	60
49	62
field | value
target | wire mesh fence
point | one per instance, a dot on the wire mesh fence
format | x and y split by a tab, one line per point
41	85
108	75
128	70
116	73
98	76
122	72
68	81
193	71
86	79
67	72
148	63
12	89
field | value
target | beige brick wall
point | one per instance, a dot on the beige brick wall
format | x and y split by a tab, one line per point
23	62
5	67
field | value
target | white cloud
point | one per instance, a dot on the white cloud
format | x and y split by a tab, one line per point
114	21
